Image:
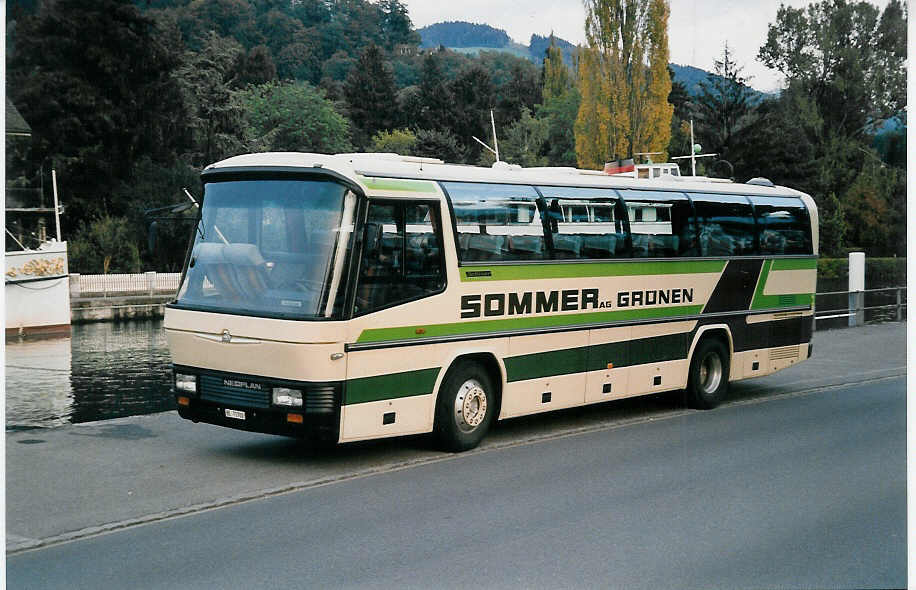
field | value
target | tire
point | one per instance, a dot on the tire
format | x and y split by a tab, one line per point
707	382
465	407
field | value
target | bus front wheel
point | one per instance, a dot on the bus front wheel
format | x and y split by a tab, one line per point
707	382
465	407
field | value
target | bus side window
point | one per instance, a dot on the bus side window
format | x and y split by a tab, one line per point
496	222
662	224
402	255
726	225
585	223
783	225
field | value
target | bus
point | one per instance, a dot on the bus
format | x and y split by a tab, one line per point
358	296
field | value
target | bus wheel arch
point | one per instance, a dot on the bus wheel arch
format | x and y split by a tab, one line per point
709	368
468	401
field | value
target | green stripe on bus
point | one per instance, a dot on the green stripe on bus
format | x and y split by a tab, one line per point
762	301
523	323
395	385
795	264
392	184
516	272
656	349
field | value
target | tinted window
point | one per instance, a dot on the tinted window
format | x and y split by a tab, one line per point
496	222
726	225
401	258
783	225
661	224
585	223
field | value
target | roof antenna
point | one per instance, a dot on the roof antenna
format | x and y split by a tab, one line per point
495	142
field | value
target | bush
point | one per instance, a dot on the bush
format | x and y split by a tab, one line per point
105	245
879	272
399	141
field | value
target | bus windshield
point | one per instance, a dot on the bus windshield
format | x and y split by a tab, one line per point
271	248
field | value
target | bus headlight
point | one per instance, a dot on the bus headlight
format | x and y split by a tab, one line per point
185	382
284	396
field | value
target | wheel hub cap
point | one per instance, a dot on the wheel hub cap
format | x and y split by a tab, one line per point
470	405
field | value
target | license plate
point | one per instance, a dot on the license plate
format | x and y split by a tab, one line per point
237	414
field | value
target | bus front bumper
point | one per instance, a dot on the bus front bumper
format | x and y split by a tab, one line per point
220	401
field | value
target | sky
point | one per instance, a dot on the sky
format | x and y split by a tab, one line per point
697	29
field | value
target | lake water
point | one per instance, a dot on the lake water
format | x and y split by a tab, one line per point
101	371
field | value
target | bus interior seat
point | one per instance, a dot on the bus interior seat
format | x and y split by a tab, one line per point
568	244
640	245
210	257
663	246
486	247
249	266
600	246
526	247
772	242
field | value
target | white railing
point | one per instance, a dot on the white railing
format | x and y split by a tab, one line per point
117	285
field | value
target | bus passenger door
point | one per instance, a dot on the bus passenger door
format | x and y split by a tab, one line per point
608	364
390	388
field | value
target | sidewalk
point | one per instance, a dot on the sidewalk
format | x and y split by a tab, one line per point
77	480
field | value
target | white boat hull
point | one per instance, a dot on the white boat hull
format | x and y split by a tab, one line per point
38	290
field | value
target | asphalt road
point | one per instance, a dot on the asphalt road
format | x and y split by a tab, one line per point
799	490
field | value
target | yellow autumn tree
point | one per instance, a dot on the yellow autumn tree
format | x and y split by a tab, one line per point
623	80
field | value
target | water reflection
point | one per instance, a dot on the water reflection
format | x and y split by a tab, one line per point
103	370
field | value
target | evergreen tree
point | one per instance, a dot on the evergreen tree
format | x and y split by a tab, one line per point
557	80
473	95
370	94
207	79
443	144
435	96
723	105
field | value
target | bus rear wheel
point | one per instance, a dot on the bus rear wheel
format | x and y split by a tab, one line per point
465	407
707	382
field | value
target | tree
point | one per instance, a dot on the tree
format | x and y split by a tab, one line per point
255	67
207	78
623	81
851	61
847	61
293	117
473	95
679	98
435	96
398	141
94	80
723	105
439	144
522	143
521	92
370	95
104	245
557	80
396	26
559	106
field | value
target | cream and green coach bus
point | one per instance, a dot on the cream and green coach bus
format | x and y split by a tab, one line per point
358	296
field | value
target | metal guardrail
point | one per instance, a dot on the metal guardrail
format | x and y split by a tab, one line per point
118	285
855	309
